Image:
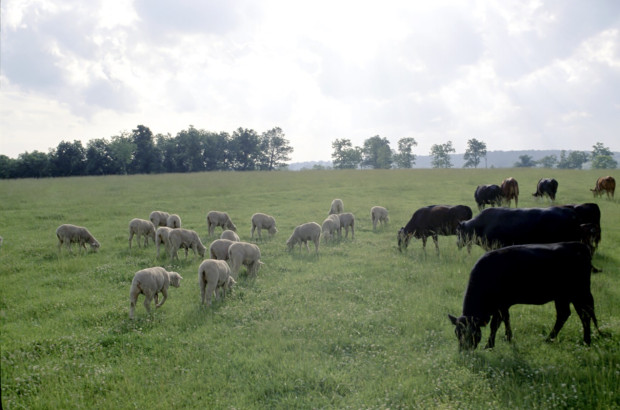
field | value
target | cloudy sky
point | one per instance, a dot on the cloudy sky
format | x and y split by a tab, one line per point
515	74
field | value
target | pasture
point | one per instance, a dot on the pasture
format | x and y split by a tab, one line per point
361	326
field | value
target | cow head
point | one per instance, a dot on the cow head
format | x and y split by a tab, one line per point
403	238
467	330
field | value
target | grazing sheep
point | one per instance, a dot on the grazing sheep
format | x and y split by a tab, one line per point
379	214
310	231
173	221
184	238
159	218
230	235
214	276
337	207
215	218
244	253
347	220
262	221
68	234
141	227
150	282
161	237
219	249
331	226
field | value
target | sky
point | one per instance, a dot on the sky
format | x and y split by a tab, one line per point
515	74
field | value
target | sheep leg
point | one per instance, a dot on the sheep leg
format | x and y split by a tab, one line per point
352	231
130	238
147	302
133	298
164	293
203	285
252	234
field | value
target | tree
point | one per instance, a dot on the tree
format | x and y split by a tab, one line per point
69	159
574	159
602	157
36	164
275	149
475	150
376	153
405	158
122	150
344	155
189	151
146	156
244	149
7	167
441	155
548	161
217	154
525	161
98	158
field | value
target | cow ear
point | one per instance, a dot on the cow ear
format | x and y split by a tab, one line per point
452	319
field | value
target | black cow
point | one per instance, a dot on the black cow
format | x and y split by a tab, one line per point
488	194
498	227
526	274
546	186
589	214
431	221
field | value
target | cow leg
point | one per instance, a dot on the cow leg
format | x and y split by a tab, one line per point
562	311
436	240
496	319
506	318
424	242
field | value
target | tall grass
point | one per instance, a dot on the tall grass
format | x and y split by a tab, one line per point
360	326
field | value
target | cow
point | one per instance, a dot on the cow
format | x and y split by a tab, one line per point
488	194
433	220
498	227
607	184
510	190
526	274
589	215
546	186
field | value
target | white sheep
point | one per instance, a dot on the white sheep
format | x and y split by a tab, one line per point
173	221
331	227
244	253
161	237
69	234
379	214
230	235
150	282
219	249
310	231
347	220
187	239
159	218
262	221
214	276
141	227
337	207
216	218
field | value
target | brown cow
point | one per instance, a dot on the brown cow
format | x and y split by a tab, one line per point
510	189
607	184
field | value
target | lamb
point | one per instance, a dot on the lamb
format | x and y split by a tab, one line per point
244	253
150	282
173	221
187	239
219	249
68	234
337	207
347	220
262	221
161	236
159	218
331	226
216	218
379	214
230	235
141	227
310	231
214	276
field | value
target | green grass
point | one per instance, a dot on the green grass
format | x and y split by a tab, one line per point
361	326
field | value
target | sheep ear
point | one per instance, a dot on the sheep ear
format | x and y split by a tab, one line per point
453	319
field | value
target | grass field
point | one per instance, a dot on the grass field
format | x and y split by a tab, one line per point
361	326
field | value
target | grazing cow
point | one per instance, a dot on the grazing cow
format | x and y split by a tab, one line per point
589	214
431	221
510	190
488	194
607	184
498	227
526	274
546	186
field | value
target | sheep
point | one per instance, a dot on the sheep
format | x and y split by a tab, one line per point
331	226
161	236
187	239
230	235
141	227
347	220
337	207
215	218
68	234
214	276
310	231
159	218
173	221
219	249
262	221
379	214
244	253
150	282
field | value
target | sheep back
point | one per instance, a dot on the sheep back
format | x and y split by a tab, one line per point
173	221
219	249
159	218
